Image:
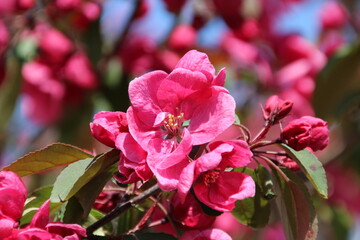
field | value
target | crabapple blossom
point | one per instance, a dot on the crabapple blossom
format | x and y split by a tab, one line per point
213	184
276	109
172	112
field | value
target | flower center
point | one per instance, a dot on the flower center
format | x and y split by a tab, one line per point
173	124
210	177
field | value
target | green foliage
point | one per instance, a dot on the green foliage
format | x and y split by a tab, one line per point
255	212
52	156
312	168
80	183
296	209
78	174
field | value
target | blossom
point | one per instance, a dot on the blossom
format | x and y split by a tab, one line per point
172	112
214	185
305	132
107	126
209	234
188	213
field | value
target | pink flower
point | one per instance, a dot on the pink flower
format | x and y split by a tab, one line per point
78	71
172	112
55	46
41	228
306	132
13	194
189	214
209	234
333	15
132	165
107	126
42	92
215	187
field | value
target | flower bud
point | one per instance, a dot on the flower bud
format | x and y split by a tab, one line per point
107	126
276	109
306	132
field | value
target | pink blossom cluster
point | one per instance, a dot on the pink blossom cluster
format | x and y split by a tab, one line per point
13	194
171	131
58	77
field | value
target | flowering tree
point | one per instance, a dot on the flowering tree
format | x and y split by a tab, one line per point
181	139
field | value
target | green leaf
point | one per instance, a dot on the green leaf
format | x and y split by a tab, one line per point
76	175
311	166
149	236
71	212
255	211
26	48
54	155
296	209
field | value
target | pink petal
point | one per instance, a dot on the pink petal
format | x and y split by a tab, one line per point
240	155
229	187
186	180
142	93
212	118
196	61
64	229
11	203
219	80
6	227
41	218
178	85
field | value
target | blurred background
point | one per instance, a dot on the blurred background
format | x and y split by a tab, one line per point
62	61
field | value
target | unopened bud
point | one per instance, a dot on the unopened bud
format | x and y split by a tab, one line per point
276	109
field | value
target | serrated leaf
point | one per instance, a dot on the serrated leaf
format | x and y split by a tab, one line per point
77	174
296	209
52	156
311	166
149	236
255	211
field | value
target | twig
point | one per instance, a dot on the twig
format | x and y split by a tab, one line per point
122	207
269	162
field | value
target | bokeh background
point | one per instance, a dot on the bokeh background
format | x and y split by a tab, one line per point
63	61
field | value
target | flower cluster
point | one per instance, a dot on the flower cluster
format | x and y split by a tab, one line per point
13	194
171	131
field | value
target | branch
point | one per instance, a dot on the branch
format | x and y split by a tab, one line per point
122	207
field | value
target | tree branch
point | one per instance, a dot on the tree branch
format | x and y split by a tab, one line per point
122	207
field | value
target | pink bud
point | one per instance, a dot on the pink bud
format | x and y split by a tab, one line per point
248	30
183	38
306	132
333	15
107	126
276	109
